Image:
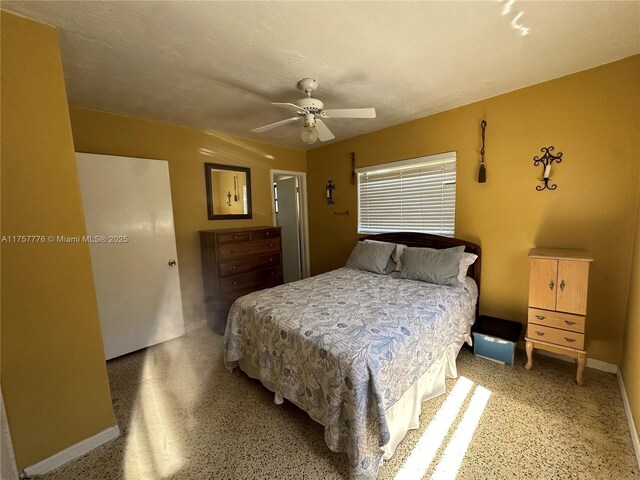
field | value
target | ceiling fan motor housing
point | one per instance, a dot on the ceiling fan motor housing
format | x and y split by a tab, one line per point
310	105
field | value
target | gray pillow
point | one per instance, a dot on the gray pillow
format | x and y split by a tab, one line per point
431	265
372	257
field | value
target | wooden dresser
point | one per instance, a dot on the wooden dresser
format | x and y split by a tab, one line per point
558	283
236	262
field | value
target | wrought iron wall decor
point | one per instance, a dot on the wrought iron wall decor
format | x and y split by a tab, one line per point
352	155
482	173
546	160
330	188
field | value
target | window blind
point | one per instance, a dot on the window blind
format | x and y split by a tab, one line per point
416	195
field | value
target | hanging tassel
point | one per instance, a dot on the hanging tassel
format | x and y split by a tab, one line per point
482	173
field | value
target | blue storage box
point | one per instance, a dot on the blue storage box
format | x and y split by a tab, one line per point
495	338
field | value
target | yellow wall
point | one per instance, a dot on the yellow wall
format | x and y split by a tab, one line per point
54	377
591	117
630	364
186	150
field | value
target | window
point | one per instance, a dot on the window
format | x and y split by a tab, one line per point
416	195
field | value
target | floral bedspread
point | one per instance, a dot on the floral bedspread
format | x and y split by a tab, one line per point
345	345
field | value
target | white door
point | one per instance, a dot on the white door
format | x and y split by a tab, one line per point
127	209
288	217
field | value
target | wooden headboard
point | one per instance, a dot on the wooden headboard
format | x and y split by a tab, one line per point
426	240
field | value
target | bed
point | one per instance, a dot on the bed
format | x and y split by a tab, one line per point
358	351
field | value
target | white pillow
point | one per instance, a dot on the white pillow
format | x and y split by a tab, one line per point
397	253
465	262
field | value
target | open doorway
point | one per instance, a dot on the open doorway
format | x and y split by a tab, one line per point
289	206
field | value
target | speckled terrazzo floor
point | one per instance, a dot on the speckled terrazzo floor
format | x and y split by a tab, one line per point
183	416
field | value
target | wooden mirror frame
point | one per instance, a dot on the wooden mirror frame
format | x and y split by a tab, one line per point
208	167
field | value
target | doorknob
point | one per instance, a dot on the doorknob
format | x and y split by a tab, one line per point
172	262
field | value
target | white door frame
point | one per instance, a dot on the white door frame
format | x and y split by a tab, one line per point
304	213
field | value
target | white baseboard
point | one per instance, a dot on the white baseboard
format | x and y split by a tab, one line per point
591	362
627	410
190	327
72	452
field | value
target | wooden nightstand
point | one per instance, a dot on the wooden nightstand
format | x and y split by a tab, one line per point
558	284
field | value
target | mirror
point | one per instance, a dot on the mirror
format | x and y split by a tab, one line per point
228	191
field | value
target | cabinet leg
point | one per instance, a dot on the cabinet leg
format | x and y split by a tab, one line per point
529	348
582	362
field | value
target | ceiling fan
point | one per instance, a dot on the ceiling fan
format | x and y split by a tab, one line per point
311	110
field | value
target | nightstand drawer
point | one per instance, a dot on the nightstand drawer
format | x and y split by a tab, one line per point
556	336
565	321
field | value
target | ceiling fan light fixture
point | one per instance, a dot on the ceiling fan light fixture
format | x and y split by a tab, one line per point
309	134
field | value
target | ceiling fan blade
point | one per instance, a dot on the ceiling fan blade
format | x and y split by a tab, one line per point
289	106
274	125
349	113
324	133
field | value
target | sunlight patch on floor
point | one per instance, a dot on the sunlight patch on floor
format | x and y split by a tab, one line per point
426	448
154	445
454	453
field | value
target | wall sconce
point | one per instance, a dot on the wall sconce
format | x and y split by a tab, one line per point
546	160
229	198
330	188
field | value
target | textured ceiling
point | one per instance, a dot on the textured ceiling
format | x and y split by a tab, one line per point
217	65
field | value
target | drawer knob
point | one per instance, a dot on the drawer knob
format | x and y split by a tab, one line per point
551	284
540	317
562	286
272	273
271	259
235	283
271	244
540	334
235	237
570	340
569	322
268	233
233	267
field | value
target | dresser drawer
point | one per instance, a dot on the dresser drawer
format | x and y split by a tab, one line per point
233	237
254	247
566	321
248	264
250	280
267	233
235	294
556	336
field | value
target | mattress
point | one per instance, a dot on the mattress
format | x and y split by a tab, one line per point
346	346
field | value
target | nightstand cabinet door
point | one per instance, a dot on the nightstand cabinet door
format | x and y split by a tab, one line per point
573	278
543	283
